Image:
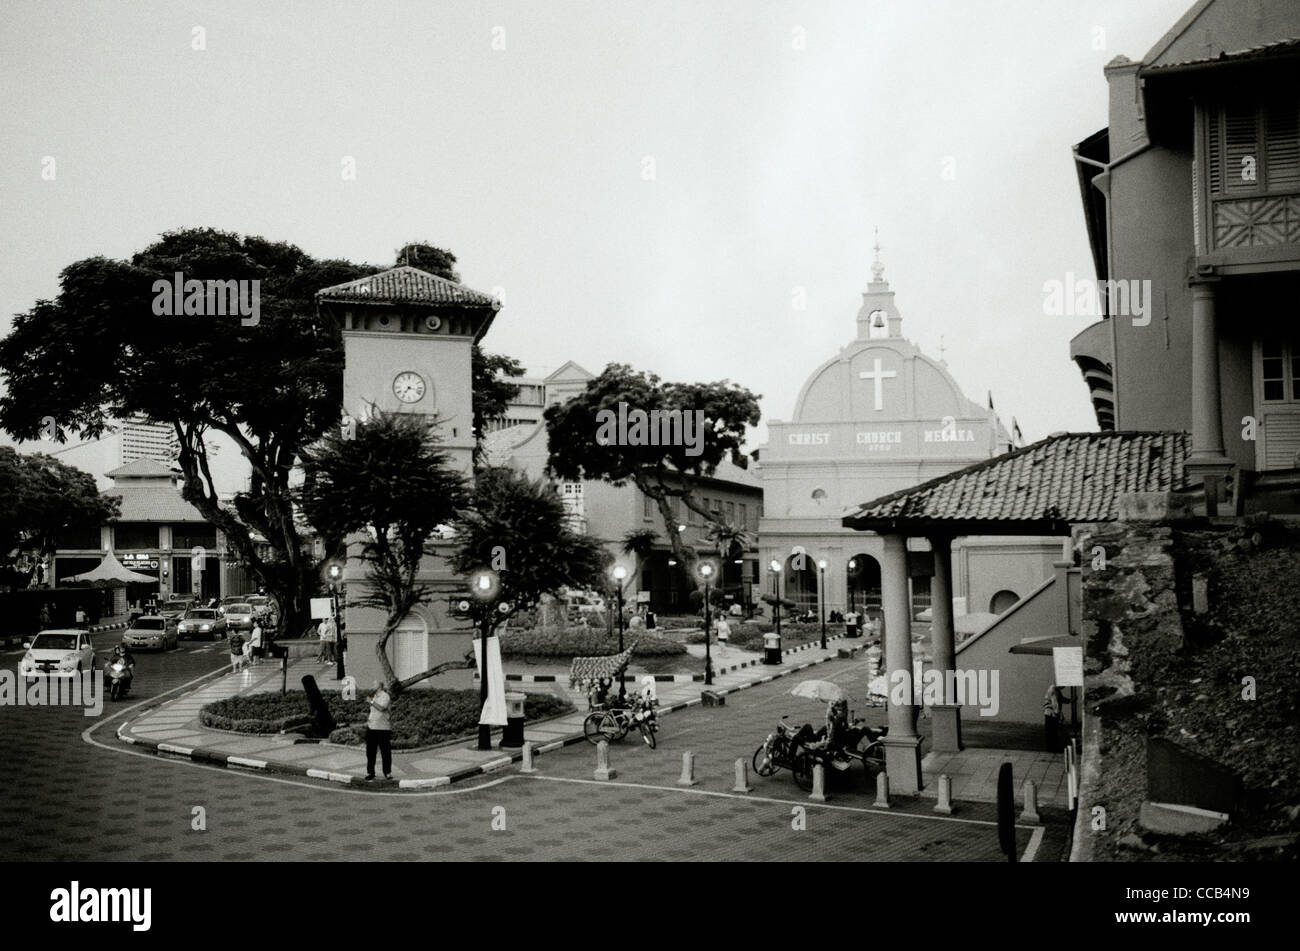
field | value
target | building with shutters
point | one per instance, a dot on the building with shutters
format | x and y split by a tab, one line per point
1191	194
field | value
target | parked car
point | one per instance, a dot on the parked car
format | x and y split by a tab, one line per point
59	652
240	616
203	622
152	632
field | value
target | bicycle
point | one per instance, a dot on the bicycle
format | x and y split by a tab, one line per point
617	720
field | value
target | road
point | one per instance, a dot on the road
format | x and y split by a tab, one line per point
75	793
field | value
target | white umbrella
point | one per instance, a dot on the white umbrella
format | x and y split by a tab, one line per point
494	711
819	690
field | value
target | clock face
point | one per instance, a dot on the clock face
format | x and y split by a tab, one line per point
408	387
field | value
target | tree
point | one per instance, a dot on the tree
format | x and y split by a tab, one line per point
102	351
515	534
663	471
389	482
43	498
490	371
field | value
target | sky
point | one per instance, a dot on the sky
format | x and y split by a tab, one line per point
654	183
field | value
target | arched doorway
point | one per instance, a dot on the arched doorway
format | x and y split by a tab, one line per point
801	582
863	577
1003	600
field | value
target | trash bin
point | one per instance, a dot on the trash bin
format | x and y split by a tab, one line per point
649	620
512	736
771	648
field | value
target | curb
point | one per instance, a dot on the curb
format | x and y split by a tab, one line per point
216	757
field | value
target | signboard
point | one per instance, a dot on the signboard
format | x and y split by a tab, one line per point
321	608
1068	663
643	597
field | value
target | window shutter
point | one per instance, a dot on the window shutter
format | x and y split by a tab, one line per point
1215	153
1282	144
1240	143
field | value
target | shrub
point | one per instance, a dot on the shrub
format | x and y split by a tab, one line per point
580	642
419	717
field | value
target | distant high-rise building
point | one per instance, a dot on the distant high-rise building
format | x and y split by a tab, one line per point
142	439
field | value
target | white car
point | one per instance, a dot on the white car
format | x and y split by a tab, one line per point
62	652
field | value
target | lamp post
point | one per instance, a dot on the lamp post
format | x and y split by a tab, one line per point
484	589
853	564
706	572
821	600
336	575
775	567
620	573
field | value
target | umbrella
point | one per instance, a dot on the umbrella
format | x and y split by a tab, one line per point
819	690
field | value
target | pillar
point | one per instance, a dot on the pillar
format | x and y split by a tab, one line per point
945	717
1207	463
902	745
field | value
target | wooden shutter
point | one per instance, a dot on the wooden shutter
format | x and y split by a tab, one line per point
1240	143
1214	150
1282	144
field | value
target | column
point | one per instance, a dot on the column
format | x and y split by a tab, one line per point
902	745
946	717
1207	462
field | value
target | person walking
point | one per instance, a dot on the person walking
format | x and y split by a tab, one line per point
236	644
45	616
379	733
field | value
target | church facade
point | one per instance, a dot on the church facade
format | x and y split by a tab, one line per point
879	417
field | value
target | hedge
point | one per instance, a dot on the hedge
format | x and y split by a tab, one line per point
579	642
419	717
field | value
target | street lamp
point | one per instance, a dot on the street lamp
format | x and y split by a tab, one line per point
706	573
335	572
821	601
484	588
775	567
853	564
620	573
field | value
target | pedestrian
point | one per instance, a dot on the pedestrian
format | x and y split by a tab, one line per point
724	630
379	733
1052	720
255	643
45	616
328	636
236	652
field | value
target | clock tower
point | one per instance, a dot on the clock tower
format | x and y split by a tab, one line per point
408	339
407	342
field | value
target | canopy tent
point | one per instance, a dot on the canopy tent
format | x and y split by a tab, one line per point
110	569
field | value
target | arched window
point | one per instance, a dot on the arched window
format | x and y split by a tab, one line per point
1002	601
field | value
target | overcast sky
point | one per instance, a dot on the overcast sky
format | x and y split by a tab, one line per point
777	134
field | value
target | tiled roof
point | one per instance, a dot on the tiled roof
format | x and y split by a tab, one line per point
154	503
407	283
142	467
1072	477
1279	48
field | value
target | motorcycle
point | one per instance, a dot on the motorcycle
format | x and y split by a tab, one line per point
119	675
799	750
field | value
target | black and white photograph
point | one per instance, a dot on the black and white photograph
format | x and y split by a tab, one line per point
689	432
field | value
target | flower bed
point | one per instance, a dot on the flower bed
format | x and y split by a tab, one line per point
419	717
580	642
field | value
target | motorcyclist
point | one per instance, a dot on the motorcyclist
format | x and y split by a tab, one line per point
121	654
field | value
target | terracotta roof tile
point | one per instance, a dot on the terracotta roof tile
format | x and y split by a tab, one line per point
407	283
1073	477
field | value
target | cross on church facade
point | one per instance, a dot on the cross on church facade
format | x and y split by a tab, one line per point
878	376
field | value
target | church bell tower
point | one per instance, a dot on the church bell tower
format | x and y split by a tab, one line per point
878	318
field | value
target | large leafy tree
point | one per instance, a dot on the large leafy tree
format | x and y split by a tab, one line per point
99	352
389	484
42	499
662	472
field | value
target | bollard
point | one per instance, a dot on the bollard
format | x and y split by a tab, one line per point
1030	815
688	770
882	791
818	793
742	778
527	765
603	769
944	804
